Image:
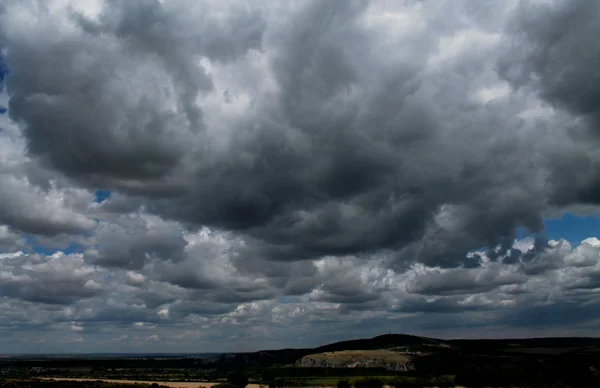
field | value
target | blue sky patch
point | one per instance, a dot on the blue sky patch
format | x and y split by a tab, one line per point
572	228
37	248
102	195
3	68
3	73
522	233
2	110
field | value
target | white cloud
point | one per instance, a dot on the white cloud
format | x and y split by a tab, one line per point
283	168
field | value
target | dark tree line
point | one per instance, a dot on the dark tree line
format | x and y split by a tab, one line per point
70	384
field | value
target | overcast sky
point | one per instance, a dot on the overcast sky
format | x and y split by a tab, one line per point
198	176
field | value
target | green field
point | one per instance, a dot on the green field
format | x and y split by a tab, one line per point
333	380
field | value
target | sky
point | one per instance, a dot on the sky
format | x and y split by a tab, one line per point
217	176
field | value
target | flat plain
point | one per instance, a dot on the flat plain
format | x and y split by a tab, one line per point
171	384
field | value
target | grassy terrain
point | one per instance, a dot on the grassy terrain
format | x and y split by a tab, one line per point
549	362
355	355
170	384
333	380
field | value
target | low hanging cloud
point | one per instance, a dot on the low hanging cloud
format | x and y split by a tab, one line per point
346	291
347	162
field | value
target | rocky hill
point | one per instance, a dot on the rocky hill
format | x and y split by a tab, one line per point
386	359
332	355
399	342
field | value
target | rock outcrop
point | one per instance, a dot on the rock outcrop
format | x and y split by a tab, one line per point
358	359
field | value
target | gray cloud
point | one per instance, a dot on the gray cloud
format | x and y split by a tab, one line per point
123	121
350	151
384	160
131	240
10	241
464	281
58	279
28	208
349	294
550	51
295	165
550	35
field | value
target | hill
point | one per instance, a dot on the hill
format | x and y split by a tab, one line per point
573	362
290	356
382	358
413	346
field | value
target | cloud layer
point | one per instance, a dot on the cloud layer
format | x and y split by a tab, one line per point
281	170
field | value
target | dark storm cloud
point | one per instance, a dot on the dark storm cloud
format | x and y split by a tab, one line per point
131	241
155	27
553	313
295	165
86	91
357	150
446	306
552	52
376	154
186	277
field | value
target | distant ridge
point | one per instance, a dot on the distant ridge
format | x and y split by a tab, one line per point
385	341
379	342
550	345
